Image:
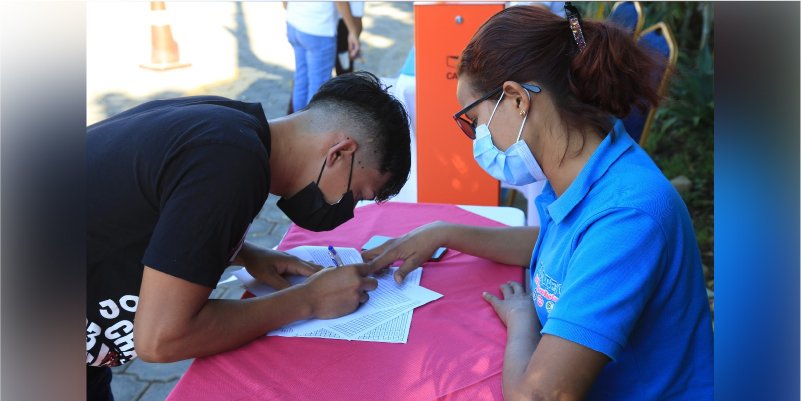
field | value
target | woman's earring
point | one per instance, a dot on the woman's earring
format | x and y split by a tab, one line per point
522	113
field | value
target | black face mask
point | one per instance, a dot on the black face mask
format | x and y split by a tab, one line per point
308	208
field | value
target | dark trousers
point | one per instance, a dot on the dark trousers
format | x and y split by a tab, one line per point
98	384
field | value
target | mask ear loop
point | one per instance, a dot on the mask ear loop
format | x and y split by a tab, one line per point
524	118
352	156
350	175
321	171
496	108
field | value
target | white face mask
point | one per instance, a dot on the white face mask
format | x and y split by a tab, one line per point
516	166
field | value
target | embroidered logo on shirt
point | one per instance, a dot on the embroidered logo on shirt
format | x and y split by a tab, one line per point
546	290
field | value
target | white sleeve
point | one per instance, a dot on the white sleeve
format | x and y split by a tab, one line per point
357	8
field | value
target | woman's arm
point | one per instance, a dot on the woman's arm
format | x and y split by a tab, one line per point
540	368
508	245
516	311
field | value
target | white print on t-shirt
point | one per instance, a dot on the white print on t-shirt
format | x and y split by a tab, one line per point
116	344
546	290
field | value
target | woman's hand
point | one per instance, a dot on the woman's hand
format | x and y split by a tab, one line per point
516	305
414	249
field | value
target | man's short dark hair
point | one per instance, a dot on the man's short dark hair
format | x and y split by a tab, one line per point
367	106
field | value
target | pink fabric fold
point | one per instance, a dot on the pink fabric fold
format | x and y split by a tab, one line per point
455	347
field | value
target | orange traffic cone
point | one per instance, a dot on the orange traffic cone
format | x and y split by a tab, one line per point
164	54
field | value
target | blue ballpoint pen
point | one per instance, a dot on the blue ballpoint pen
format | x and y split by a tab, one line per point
334	257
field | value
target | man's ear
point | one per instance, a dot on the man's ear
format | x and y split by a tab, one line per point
342	149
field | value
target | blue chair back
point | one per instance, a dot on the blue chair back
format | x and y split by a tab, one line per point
408	65
628	16
658	39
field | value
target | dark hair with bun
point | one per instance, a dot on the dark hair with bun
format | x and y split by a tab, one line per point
528	43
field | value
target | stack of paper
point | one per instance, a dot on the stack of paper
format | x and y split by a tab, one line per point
385	317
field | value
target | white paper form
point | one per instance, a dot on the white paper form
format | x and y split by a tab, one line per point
355	328
319	255
391	331
386	317
389	300
388	293
391	325
395	330
314	254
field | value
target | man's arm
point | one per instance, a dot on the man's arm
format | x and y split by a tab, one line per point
269	266
175	320
247	249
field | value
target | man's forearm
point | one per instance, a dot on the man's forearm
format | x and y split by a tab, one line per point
247	250
224	324
508	245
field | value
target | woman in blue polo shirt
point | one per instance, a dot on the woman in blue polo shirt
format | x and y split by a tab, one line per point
617	308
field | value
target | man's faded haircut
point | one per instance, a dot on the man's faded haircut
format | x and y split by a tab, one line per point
359	100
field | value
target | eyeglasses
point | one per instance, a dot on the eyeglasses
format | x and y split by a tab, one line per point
468	126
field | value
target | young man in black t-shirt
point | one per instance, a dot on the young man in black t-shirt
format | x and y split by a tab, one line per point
172	188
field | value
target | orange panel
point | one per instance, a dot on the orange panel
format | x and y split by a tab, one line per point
446	170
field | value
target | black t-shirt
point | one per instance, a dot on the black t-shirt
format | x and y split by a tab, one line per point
173	185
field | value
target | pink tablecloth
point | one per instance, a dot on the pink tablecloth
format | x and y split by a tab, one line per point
455	347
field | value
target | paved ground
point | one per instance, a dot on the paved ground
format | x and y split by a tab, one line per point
237	50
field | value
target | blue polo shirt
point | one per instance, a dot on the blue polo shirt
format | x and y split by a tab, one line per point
616	268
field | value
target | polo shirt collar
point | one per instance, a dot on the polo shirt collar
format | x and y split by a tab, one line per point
610	149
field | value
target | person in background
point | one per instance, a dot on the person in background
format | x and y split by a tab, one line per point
618	307
311	30
344	59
